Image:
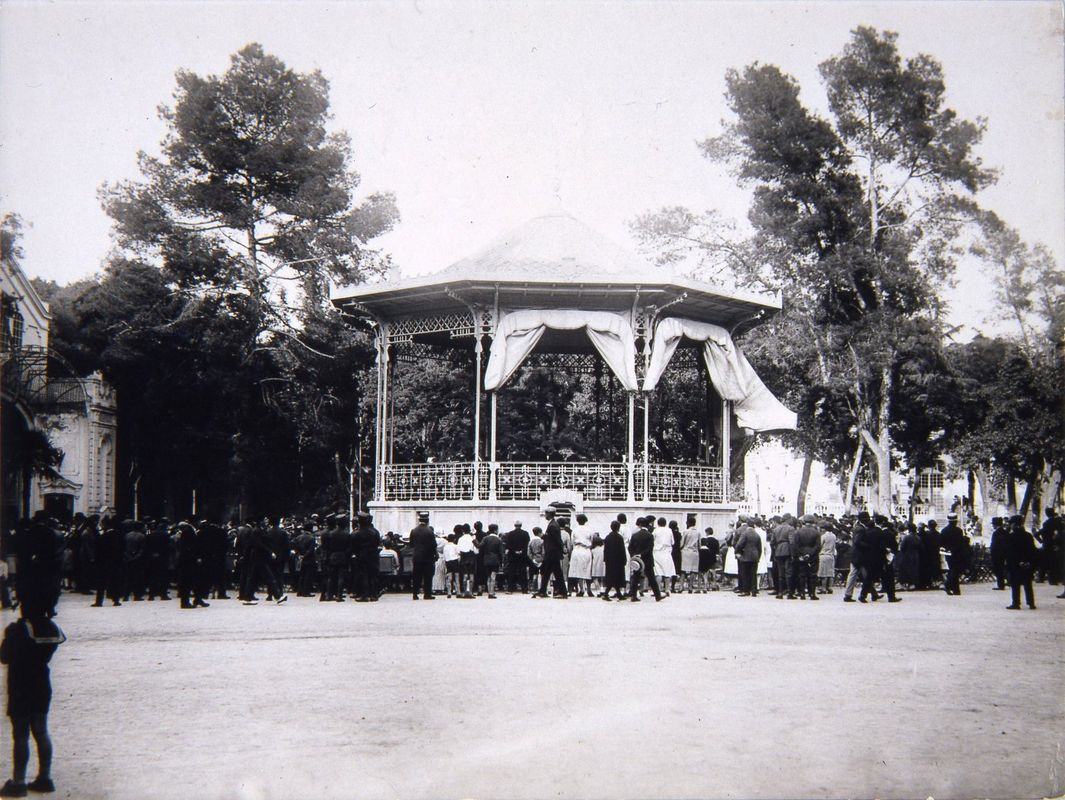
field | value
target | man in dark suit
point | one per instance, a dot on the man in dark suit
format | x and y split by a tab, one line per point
422	544
748	546
110	549
804	557
366	543
998	552
134	558
930	573
780	543
517	558
1021	558
642	547
335	549
953	540
260	556
553	550
157	560
215	545
306	549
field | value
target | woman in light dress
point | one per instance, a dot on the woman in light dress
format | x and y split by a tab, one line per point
765	560
665	570
689	556
580	559
826	562
440	571
598	564
731	567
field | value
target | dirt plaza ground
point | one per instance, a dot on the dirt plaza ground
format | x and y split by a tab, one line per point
714	696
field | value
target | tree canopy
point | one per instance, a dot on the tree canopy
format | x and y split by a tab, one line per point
235	376
859	219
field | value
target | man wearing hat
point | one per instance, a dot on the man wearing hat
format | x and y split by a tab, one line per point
1021	557
553	551
953	540
422	542
804	558
748	547
367	546
335	554
862	545
516	544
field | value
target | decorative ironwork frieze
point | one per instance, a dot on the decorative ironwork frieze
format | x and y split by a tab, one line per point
595	481
411	352
675	483
460	324
526	481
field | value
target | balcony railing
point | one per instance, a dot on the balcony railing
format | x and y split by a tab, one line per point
527	480
676	483
524	480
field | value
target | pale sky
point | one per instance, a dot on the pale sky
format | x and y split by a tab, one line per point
480	116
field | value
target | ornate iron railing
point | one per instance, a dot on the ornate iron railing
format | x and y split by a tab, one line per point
674	483
526	480
451	480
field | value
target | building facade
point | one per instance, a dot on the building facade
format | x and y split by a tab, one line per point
47	407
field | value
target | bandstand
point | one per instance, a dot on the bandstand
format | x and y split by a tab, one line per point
554	293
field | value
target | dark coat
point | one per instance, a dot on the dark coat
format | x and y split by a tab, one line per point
553	546
491	551
709	547
909	562
614	559
807	542
422	542
780	540
748	544
642	544
1021	553
366	542
953	540
517	541
863	545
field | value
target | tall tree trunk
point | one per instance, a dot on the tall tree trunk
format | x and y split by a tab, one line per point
985	493
804	484
883	455
1011	495
852	476
882	458
971	489
1026	502
1051	486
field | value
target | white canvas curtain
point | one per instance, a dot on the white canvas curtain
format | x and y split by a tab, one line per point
519	331
730	373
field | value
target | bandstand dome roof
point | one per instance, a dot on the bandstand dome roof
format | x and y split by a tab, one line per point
555	261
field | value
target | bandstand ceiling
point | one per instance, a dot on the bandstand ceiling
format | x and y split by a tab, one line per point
555	261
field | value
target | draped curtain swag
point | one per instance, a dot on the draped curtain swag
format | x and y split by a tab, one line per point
519	331
730	373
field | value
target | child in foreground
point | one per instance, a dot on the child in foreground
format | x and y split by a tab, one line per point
27	648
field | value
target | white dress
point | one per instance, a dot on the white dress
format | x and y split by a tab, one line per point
598	564
580	559
440	570
763	560
689	550
664	567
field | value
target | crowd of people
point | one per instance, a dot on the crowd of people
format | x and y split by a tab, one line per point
798	558
793	558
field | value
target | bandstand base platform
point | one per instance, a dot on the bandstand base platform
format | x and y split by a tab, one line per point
401	516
